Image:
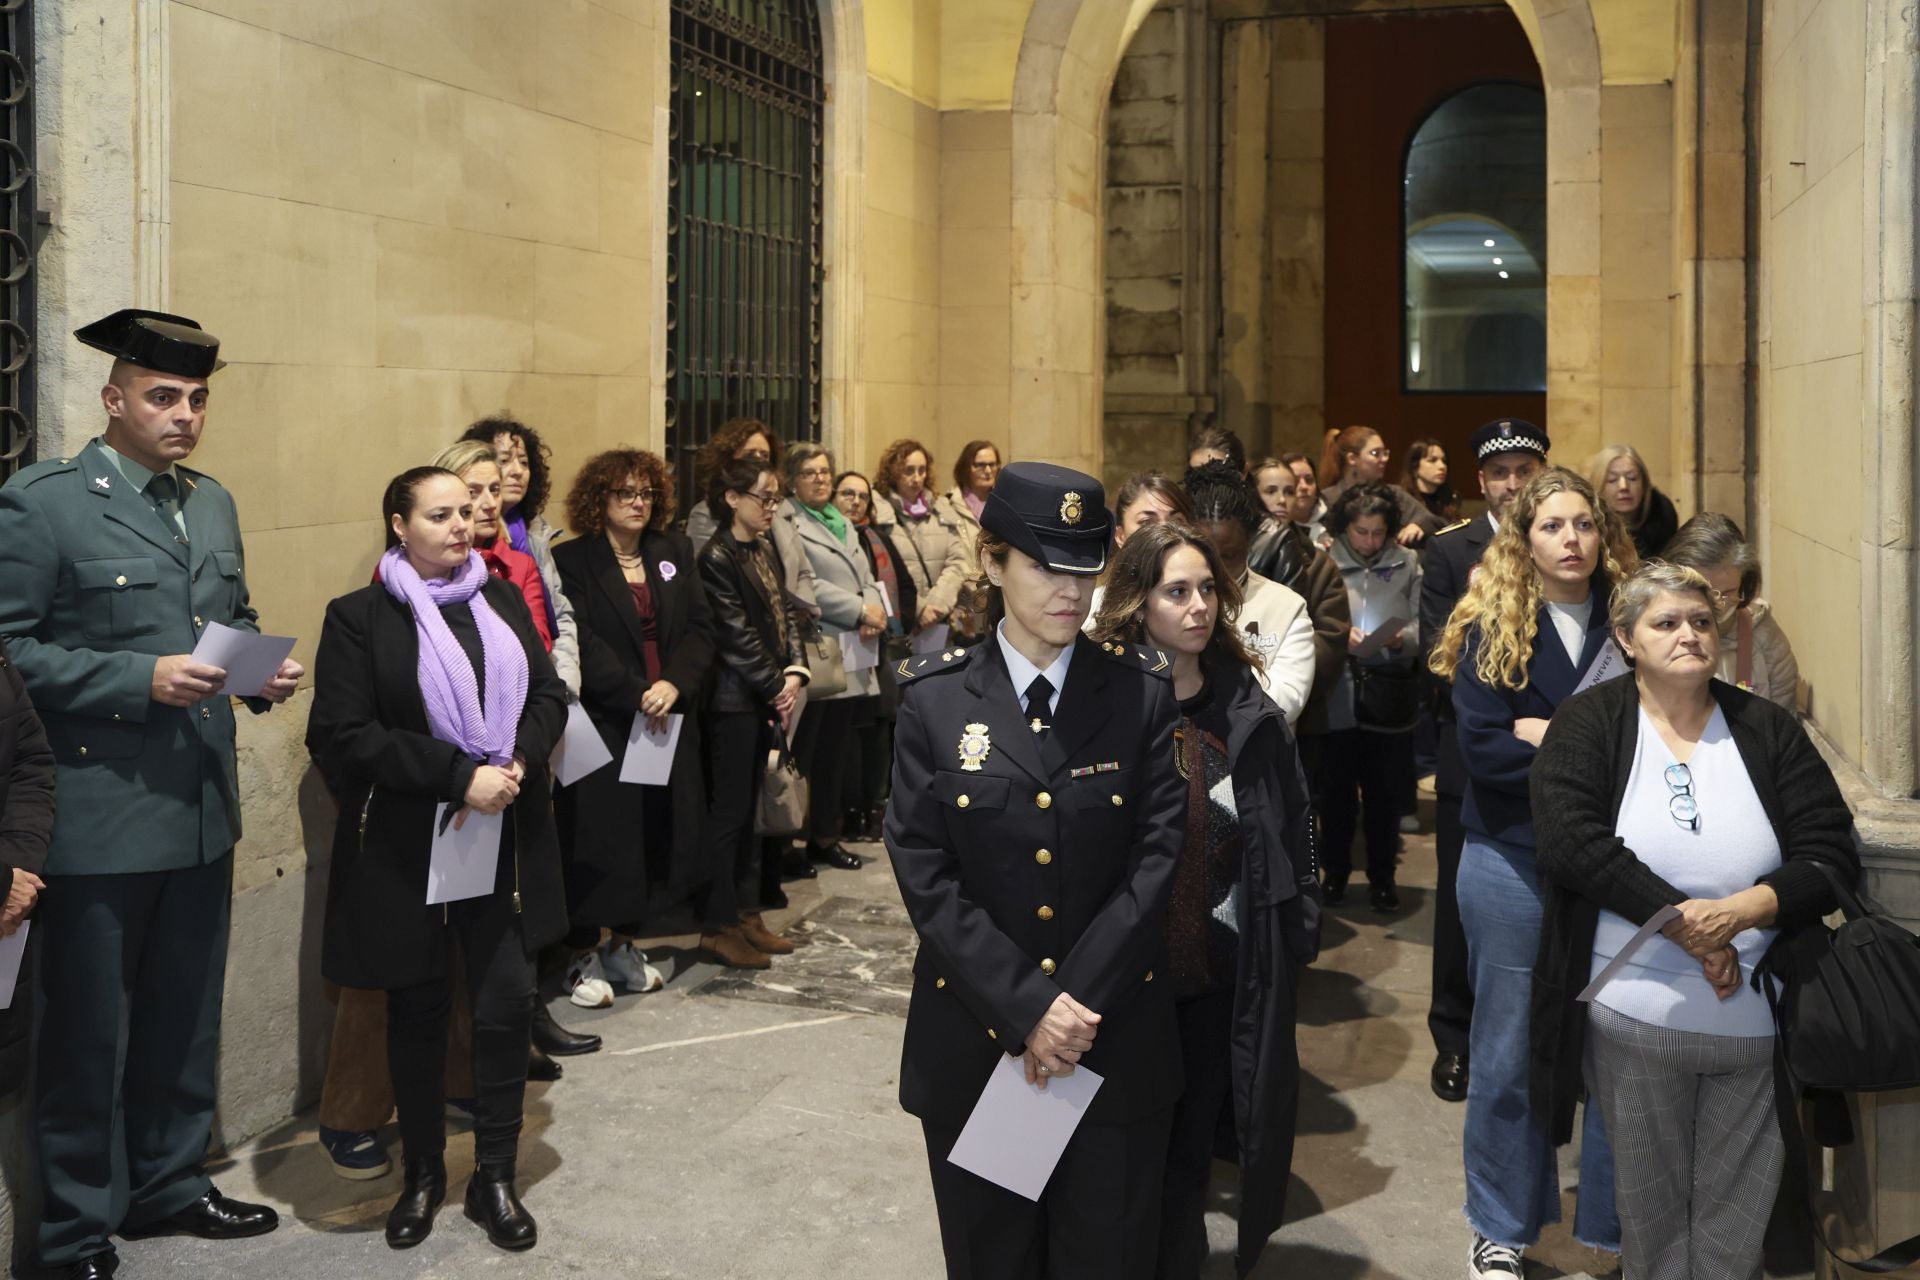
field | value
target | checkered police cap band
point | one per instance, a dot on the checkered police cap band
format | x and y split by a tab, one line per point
1511	444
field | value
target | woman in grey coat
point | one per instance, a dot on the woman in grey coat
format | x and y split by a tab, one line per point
932	542
852	616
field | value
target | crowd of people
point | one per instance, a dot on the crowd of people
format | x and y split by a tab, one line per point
1099	745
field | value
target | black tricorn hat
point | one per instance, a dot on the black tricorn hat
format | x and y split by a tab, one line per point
1055	514
155	340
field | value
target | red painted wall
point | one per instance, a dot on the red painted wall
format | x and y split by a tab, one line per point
1383	75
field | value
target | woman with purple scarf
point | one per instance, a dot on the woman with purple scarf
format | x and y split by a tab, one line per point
435	705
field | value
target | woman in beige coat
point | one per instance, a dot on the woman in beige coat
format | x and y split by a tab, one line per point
931	541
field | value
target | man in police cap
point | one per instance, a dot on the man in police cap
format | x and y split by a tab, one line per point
113	563
1510	452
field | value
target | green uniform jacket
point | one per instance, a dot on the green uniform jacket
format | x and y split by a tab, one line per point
94	586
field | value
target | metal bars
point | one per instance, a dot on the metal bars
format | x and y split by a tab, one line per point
745	186
18	235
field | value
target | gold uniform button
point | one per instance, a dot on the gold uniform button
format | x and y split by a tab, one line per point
1047	967
197	622
206	713
1044	800
1149	975
83	751
116	715
992	1034
1045	913
1043	857
1118	801
120	581
964	801
939	984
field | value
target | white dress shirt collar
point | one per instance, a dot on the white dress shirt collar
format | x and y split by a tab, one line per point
1023	671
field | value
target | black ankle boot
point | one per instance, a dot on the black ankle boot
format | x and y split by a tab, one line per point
494	1204
424	1188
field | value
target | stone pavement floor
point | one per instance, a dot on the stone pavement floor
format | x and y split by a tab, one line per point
746	1126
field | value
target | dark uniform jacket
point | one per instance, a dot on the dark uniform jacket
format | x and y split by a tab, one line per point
1045	870
608	871
1446	567
95	584
369	734
26	823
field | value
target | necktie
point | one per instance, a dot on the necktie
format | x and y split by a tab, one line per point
1039	699
165	492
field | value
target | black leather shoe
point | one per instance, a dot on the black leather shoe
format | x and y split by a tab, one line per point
1334	892
1384	898
495	1205
835	855
550	1037
794	866
540	1068
411	1219
1449	1077
212	1217
99	1266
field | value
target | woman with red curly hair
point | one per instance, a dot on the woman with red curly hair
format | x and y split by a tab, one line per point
645	648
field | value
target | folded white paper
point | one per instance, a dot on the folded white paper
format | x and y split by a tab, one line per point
1377	637
930	639
465	858
249	660
1018	1130
1621	957
12	949
1607	664
581	750
649	756
857	654
886	601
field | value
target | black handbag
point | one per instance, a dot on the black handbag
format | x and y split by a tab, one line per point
1386	697
1846	1012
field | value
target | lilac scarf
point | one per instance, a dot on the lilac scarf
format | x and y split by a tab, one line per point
447	683
517	532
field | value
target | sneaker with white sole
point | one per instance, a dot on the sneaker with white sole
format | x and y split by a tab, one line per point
627	965
355	1153
1489	1261
587	984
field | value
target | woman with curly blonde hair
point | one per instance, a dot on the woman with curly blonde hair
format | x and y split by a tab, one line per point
1533	622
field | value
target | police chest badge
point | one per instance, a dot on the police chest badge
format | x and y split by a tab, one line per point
1072	508
974	747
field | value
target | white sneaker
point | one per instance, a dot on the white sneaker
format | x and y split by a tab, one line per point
1489	1261
587	984
627	965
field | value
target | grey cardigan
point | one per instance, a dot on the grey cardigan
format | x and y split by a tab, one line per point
566	636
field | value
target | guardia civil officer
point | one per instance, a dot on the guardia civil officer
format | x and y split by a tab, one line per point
1509	453
1034	829
112	564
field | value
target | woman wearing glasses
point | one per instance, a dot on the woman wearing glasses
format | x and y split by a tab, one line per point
645	647
974	474
1516	646
1357	455
1671	787
1754	652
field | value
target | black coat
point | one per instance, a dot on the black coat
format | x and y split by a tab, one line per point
368	733
1580	777
1279	935
26	824
751	667
601	817
1446	568
1004	930
1658	528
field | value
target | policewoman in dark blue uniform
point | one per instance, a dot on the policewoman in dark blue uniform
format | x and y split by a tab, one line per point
1034	829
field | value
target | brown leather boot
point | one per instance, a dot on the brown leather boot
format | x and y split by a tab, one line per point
754	927
731	948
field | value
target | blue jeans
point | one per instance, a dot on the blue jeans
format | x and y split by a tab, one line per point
1513	1185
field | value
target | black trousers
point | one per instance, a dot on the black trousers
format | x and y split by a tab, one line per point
1206	1025
500	984
866	783
1364	775
1450	1012
821	748
131	968
737	744
1098	1219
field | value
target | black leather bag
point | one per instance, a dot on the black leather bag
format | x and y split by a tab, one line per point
1386	697
1846	1011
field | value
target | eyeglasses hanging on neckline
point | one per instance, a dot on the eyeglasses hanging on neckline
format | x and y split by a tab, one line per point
1682	804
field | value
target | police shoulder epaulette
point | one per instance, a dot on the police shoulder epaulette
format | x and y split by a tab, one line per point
928	664
41	470
1457	524
1141	656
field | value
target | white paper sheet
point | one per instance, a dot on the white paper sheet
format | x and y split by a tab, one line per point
463	861
857	654
581	750
886	601
649	755
1377	637
249	660
1655	924
1607	664
1018	1130
931	639
12	949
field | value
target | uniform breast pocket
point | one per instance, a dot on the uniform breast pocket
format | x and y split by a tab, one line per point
1109	793
971	792
117	596
226	564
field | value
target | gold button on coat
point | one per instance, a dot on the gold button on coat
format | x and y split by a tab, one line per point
939	984
1118	801
1047	967
963	801
1044	800
992	1034
1043	857
83	751
1149	975
1045	913
120	581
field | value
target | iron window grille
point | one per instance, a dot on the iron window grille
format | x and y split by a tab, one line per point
18	233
